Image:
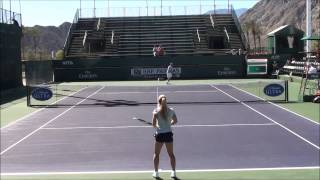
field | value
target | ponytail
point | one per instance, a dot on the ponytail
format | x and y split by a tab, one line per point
163	109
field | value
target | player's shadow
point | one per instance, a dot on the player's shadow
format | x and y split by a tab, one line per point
176	178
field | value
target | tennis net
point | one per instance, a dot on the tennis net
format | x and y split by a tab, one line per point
55	95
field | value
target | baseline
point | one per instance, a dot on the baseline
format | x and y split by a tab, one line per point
150	171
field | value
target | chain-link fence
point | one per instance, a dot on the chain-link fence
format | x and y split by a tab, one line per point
9	17
38	72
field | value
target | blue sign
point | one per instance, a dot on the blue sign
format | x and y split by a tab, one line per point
273	90
41	94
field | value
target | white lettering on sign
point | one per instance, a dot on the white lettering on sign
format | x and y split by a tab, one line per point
154	71
227	72
87	75
67	63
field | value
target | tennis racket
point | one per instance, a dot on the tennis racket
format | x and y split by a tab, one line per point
142	120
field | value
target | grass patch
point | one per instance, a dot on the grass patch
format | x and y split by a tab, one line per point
14	112
12	96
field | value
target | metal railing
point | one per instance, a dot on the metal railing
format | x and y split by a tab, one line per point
10	17
153	11
236	20
69	35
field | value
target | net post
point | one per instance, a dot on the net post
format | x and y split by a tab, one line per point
28	96
56	92
287	91
157	89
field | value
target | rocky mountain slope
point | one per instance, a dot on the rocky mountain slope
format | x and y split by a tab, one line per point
39	41
271	14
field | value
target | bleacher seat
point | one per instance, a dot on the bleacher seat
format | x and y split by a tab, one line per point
128	36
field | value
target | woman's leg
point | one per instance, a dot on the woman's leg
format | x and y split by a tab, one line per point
157	150
169	147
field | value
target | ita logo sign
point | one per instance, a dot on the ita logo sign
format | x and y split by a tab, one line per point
41	94
273	90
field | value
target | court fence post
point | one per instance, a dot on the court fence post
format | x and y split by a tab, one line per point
286	91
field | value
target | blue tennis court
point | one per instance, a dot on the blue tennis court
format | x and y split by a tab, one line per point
104	128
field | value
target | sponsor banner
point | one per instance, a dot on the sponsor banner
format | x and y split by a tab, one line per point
67	63
227	72
273	90
154	72
257	66
87	75
257	61
41	94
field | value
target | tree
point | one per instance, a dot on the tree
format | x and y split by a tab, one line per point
253	28
30	42
246	29
59	54
259	33
34	33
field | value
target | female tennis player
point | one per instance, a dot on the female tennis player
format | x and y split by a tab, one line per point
163	118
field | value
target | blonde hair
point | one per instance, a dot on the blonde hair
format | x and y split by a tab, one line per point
162	108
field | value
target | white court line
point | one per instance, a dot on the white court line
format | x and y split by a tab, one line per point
175	126
269	118
194	91
150	171
225	125
151	92
97	127
276	105
34	112
30	134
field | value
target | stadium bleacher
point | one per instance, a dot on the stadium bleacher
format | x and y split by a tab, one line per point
136	36
298	67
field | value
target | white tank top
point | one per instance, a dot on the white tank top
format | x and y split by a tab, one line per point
163	124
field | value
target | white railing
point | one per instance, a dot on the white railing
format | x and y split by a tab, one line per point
212	22
236	20
9	17
154	11
198	35
71	28
227	35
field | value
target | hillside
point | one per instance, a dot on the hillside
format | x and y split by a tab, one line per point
271	14
41	40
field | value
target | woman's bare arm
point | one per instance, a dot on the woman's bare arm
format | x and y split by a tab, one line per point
174	120
154	121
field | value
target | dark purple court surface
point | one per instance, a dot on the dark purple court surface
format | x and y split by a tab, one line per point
102	133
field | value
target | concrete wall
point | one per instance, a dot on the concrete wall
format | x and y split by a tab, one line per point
10	56
135	68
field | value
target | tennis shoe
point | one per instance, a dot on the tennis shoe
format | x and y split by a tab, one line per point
173	174
155	174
